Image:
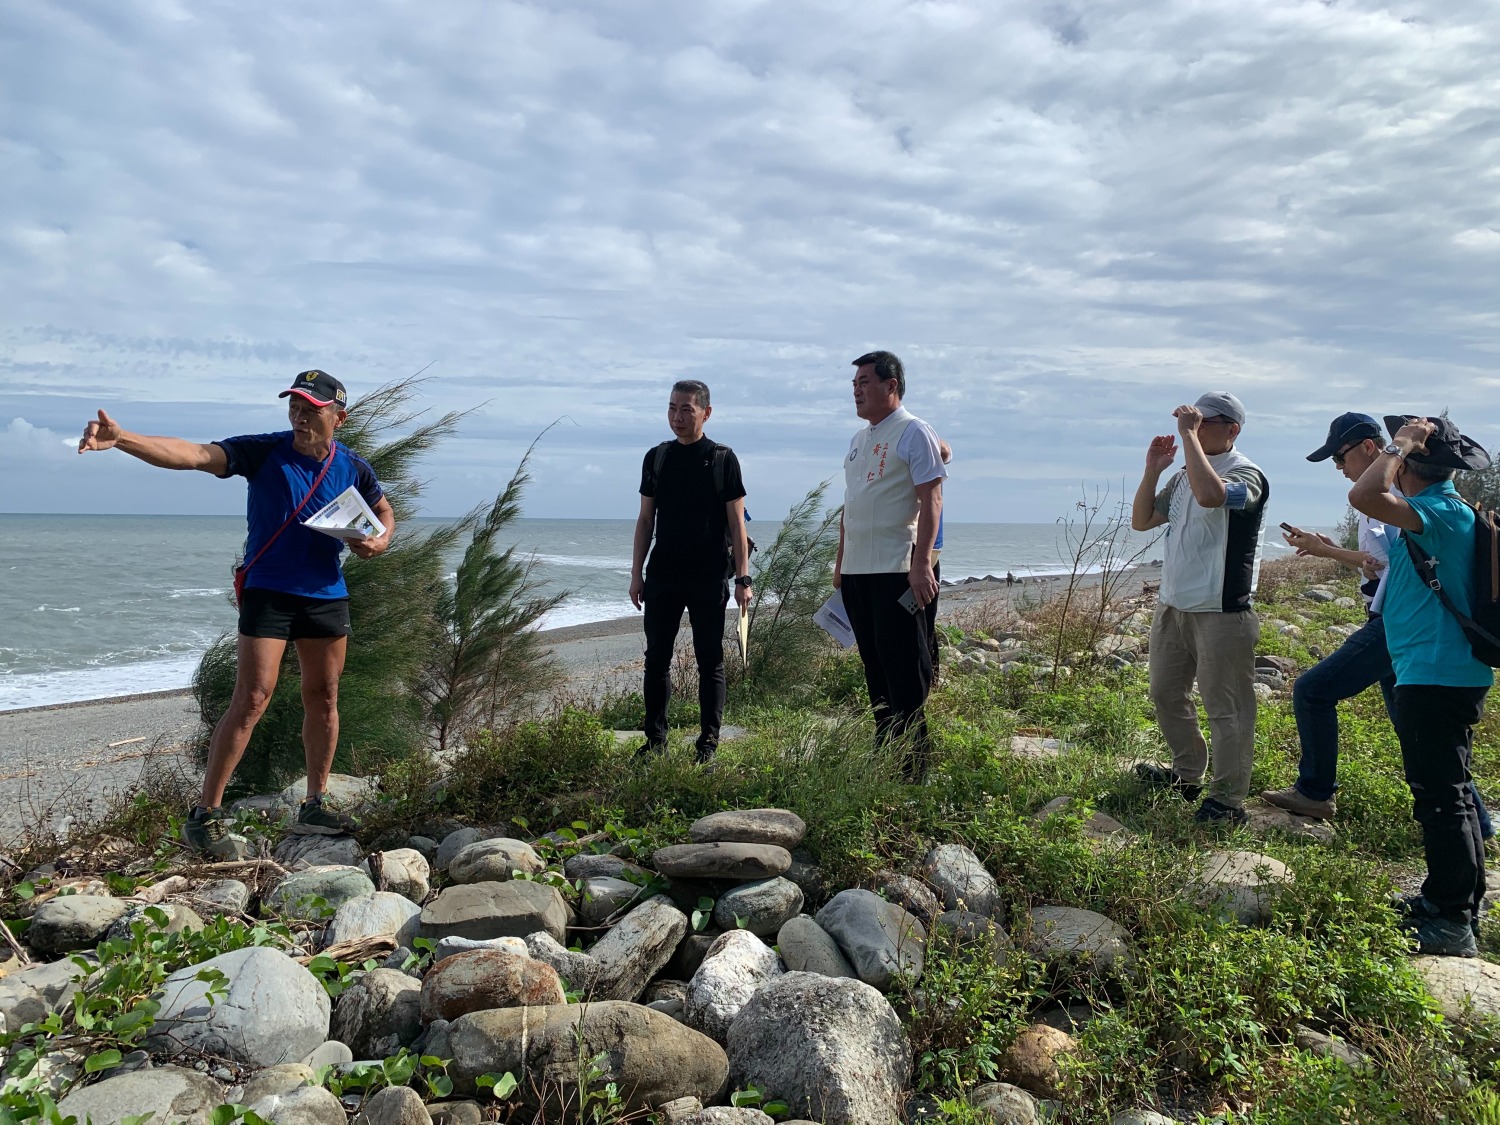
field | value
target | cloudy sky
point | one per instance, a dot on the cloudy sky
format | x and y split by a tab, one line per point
1065	218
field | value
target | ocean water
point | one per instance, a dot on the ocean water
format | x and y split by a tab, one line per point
99	606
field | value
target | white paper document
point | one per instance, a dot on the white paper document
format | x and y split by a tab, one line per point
346	517
834	621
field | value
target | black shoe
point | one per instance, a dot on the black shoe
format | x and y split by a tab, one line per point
649	749
1210	811
206	831
314	818
1153	776
1437	935
706	748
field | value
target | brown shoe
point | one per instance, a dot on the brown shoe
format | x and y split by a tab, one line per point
1293	800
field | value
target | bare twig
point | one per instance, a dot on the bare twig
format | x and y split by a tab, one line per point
10	940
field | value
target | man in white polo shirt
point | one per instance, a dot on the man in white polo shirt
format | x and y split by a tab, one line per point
893	501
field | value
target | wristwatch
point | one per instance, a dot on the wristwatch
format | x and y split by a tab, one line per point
743	580
1394	450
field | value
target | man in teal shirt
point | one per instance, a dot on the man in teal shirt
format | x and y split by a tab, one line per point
1440	686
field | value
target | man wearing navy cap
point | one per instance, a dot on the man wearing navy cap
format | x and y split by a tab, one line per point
1440	684
293	586
1205	628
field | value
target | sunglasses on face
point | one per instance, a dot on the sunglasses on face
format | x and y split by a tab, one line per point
1338	458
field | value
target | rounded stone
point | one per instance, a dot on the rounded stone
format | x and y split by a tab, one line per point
808	948
180	919
738	963
961	880
378	1014
1067	933
762	907
1243	883
590	866
513	908
380	914
69	922
169	1093
316	890
487	978
494	861
603	896
722	861
780	827
880	940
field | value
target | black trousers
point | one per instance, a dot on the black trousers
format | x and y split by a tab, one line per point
898	664
1436	728
931	615
704	602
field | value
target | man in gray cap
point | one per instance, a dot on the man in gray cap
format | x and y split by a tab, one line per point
1440	683
1205	628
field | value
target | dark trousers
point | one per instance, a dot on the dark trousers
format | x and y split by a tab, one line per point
704	602
898	664
931	614
1360	661
1436	728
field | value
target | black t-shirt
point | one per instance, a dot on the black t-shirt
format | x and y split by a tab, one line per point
692	526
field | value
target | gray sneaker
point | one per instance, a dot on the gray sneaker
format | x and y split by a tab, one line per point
1436	935
206	832
1293	800
314	818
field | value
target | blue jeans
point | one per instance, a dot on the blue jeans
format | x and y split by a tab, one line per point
1360	661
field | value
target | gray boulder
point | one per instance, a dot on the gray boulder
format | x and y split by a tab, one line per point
1461	986
650	1057
638	948
832	1049
738	964
298	852
911	894
972	934
329	1053
179	919
316	891
406	872
602	896
280	1079
1005	1104
380	914
962	881
494	861
778	827
577	970
489	910
307	1105
761	907
1141	1117
451	945
1241	882
722	861
880	940
728	1115
808	948
171	1093
69	922
30	995
589	866
343	790
455	842
394	1105
1065	933
378	1014
222	896
273	1010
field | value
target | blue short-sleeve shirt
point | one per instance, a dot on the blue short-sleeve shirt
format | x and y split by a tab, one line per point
300	561
1426	643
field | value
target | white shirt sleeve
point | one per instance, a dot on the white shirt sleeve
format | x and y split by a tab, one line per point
918	447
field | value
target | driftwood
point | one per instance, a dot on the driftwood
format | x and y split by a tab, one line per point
154	894
358	950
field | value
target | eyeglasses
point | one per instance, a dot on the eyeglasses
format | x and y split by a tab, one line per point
1338	458
1217	420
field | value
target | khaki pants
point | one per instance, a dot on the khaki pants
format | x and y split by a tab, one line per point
1218	649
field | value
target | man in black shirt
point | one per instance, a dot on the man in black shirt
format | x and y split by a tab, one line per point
693	498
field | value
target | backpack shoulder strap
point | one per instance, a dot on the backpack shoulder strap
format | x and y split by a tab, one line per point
1426	567
721	460
658	461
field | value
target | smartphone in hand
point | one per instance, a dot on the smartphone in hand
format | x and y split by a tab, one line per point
908	602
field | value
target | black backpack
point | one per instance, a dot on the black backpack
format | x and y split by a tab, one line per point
721	459
1482	624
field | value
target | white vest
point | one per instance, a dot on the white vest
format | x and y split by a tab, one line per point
1193	554
880	501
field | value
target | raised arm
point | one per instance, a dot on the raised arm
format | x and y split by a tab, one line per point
1159	455
163	452
1207	486
1372	493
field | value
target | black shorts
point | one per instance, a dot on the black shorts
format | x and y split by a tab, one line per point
291	617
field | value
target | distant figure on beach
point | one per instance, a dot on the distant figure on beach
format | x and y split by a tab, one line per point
1354	443
893	502
1205	627
946	452
1010	578
1440	683
291	587
693	501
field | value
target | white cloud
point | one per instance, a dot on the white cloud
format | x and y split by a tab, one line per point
1066	219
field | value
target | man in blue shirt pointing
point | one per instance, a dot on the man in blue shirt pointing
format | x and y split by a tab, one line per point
291	587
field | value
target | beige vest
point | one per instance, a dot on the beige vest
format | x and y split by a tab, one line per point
880	501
